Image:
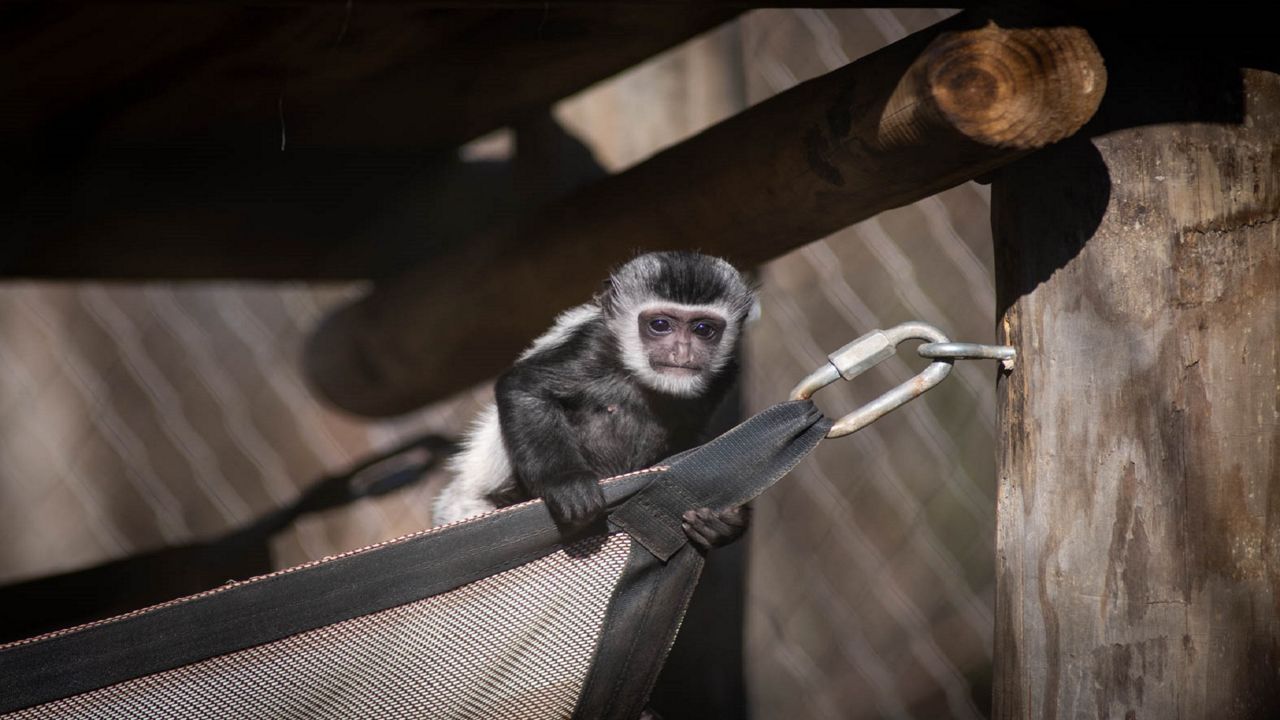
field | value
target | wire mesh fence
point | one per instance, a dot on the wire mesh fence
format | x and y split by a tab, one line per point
134	417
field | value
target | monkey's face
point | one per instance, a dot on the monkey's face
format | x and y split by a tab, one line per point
682	347
676	317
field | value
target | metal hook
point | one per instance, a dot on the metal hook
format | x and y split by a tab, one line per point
969	351
866	352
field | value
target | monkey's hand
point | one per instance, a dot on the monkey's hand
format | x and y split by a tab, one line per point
709	528
574	502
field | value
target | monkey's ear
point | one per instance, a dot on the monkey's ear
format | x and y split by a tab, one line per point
604	298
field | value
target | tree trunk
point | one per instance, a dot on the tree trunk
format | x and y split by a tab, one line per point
1138	540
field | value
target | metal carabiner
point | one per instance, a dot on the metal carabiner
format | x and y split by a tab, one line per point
866	352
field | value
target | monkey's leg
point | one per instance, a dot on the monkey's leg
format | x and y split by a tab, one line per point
709	528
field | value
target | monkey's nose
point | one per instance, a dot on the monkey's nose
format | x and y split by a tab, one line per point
680	354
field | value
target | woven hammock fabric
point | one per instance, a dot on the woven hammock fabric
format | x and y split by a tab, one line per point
526	634
495	617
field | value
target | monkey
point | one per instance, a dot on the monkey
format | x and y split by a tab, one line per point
615	385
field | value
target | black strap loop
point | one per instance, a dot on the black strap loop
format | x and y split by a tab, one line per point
724	473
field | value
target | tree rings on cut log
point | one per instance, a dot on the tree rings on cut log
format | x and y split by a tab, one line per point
1017	88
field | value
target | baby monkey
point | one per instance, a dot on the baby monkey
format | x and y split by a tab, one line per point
614	386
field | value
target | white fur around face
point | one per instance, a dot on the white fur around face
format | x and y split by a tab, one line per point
566	322
627	331
480	469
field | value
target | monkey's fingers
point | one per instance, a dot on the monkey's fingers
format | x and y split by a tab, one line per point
709	528
695	533
575	505
737	516
713	522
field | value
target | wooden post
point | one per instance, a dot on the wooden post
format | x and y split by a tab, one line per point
925	114
1138	563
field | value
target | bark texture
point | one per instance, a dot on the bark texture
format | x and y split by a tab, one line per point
1138	541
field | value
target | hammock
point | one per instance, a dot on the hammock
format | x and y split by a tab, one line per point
498	616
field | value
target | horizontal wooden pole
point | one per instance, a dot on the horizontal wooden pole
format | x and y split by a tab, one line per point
927	113
309	214
291	75
540	4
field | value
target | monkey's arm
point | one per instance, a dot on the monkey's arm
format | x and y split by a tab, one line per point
543	451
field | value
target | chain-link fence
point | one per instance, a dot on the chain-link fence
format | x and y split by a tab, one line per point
136	417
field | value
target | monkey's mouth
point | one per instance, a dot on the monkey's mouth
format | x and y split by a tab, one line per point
674	369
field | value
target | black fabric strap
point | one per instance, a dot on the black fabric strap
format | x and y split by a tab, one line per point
279	605
647	517
639	629
661	574
726	472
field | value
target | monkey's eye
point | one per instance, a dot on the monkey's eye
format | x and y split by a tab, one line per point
661	326
704	330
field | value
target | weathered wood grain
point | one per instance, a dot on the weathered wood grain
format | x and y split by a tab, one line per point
925	114
1138	542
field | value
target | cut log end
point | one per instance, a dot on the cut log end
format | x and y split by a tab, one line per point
1015	88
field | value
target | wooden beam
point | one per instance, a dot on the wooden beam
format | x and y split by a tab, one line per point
308	214
281	76
279	140
934	110
1138	557
188	215
541	4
